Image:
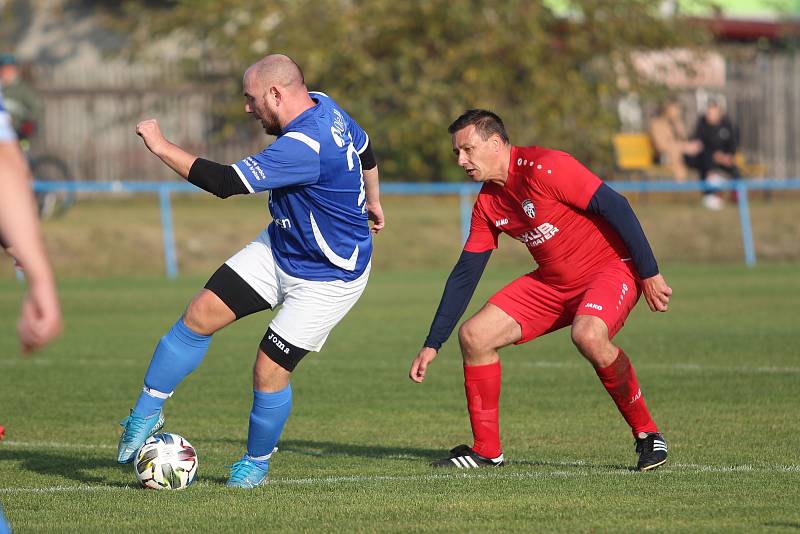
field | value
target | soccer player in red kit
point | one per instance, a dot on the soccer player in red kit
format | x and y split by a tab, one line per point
593	260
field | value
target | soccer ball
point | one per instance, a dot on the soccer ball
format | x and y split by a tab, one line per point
166	461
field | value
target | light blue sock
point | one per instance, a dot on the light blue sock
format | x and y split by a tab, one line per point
177	354
269	414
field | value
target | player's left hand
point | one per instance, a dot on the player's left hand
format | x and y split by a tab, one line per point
656	292
420	364
40	320
375	214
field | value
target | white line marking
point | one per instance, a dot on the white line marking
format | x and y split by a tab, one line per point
471	474
55	445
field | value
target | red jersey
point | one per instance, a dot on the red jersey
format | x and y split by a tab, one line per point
543	204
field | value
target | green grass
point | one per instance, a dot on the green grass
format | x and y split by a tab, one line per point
721	373
121	235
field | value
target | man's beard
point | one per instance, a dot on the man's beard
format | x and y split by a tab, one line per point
271	123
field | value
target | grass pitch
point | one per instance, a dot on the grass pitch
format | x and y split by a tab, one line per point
720	371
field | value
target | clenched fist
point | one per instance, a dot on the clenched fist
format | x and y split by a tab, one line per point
151	134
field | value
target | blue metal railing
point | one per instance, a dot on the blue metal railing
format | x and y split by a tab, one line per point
465	191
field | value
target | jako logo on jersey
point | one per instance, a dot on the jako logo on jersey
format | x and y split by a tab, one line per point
286	224
500	222
536	237
593	306
527	206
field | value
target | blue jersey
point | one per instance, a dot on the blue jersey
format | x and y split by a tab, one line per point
6	129
319	228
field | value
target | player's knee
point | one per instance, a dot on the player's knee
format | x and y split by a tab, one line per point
470	338
268	375
588	337
200	316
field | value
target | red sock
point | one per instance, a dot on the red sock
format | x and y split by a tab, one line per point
620	382
482	386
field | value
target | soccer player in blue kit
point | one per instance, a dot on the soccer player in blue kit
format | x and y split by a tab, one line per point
313	259
21	236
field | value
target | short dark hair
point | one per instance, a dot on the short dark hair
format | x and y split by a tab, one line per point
486	123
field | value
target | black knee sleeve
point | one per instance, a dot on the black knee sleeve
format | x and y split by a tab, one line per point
281	351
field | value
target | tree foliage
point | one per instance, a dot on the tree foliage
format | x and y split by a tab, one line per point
406	69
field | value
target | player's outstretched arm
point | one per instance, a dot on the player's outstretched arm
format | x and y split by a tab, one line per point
217	179
40	319
171	154
374	209
656	293
457	293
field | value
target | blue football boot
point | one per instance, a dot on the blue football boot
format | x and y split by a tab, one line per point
136	431
248	474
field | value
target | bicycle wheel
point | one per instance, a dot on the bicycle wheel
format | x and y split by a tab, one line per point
52	169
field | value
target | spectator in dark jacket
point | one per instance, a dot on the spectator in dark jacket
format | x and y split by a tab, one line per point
717	158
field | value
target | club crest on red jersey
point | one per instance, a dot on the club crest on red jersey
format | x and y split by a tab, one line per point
527	206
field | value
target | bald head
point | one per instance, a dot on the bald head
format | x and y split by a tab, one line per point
275	92
276	69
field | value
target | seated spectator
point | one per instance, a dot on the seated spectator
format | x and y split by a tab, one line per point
21	100
715	162
668	134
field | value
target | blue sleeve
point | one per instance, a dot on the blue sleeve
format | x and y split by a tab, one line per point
7	134
360	137
293	159
457	293
615	209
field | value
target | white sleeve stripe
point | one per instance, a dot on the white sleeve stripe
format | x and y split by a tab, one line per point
244	180
366	144
318	93
303	138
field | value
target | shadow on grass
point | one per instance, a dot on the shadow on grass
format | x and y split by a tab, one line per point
328	449
321	449
782	524
78	466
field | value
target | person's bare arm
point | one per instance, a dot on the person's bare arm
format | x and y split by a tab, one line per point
171	154
40	319
374	208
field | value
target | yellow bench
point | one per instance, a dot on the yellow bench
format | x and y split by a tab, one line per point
634	154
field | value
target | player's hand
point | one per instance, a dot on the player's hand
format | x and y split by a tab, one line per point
151	134
656	292
420	364
40	320
375	214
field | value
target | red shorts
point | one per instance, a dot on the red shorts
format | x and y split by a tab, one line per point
540	308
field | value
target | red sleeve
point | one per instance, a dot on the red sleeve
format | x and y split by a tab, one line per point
569	182
482	234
